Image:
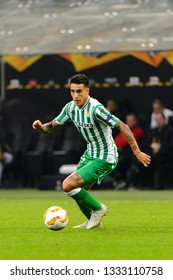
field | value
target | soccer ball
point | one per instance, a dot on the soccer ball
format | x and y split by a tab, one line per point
55	218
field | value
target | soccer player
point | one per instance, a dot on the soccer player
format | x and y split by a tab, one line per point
95	125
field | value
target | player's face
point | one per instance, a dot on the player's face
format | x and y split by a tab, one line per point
79	93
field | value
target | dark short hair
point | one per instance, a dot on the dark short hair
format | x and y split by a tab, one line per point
80	79
157	101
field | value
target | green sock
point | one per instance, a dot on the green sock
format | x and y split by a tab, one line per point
85	200
85	210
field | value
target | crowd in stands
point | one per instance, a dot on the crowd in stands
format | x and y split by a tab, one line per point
26	156
127	164
6	157
154	138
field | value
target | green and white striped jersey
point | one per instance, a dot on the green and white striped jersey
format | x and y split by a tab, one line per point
95	124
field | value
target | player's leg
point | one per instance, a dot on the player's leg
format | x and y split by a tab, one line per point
75	181
87	211
95	171
87	204
85	176
74	186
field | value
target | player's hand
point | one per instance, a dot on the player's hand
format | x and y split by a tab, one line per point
37	124
144	158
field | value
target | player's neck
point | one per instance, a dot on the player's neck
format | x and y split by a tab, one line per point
83	106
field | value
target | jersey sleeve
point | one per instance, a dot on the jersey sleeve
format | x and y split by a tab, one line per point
63	117
103	115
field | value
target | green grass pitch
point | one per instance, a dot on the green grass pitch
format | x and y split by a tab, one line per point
138	226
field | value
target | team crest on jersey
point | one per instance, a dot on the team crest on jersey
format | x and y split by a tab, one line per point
88	114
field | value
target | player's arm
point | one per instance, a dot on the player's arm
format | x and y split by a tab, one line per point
128	135
46	127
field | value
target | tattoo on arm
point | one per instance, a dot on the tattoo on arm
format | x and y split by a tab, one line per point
49	127
128	135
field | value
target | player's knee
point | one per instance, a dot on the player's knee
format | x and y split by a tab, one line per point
67	185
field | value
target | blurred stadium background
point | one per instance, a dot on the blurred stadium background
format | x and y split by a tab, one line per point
123	46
